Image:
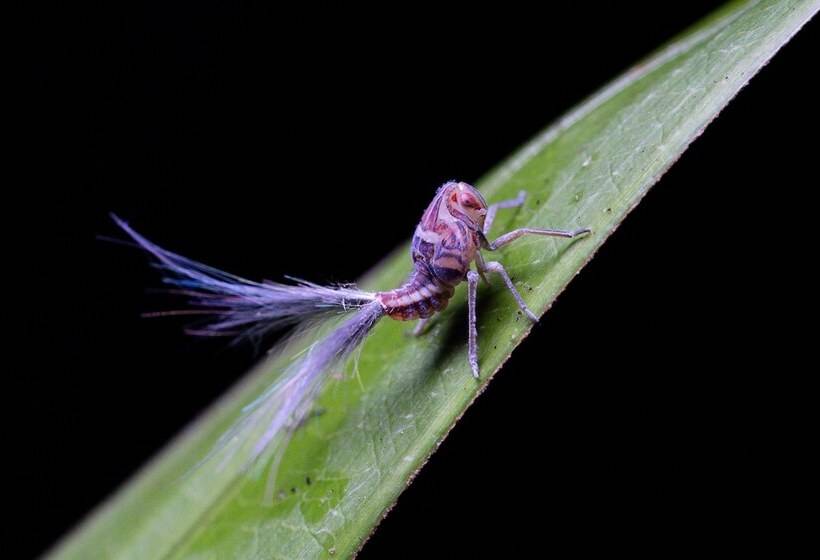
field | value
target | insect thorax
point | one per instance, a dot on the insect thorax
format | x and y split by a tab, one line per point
445	241
442	250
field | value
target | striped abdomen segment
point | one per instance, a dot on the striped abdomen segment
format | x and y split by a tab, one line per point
419	298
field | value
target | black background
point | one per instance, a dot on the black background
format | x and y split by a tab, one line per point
637	413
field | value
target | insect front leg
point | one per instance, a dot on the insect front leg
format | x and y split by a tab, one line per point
494	208
498	268
508	238
472	336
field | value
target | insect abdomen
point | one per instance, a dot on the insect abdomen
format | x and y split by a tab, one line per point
419	298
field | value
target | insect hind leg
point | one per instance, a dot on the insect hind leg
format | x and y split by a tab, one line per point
420	327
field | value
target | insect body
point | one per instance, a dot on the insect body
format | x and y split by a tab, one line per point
443	247
447	241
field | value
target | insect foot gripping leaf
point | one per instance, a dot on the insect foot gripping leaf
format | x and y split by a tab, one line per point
344	468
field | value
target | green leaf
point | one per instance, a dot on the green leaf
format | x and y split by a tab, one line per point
345	467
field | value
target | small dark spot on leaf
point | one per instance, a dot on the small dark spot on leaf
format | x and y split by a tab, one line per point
307	480
293	490
537	202
495	347
609	209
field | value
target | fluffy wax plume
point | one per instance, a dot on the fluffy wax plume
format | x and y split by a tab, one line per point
265	425
237	306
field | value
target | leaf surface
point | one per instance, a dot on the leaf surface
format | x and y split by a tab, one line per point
346	466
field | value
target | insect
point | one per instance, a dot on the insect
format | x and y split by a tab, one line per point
448	240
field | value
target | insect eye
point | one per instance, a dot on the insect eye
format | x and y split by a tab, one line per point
469	201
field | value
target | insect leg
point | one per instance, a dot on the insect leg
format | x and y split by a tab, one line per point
419	328
481	267
508	238
498	268
472	337
510	203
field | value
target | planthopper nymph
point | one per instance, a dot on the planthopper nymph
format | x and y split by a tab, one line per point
448	241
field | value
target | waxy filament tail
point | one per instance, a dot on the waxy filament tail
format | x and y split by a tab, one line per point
262	432
239	306
234	305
